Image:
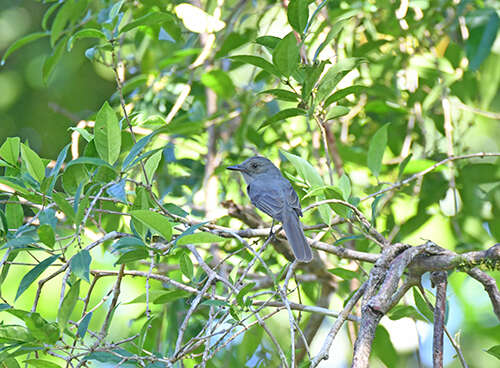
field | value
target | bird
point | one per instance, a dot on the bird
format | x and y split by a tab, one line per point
271	193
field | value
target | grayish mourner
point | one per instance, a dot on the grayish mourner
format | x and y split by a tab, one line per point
271	193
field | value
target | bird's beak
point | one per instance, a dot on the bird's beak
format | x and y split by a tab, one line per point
236	167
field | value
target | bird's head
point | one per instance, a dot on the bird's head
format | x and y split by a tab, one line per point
255	166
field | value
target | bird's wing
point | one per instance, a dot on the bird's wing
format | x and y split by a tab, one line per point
267	198
292	197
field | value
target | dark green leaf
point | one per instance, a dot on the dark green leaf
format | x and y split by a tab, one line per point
257	61
383	348
286	55
21	42
268	41
14	213
9	151
483	32
85	33
281	115
215	303
47	235
107	134
19	242
186	266
33	274
136	150
298	14
341	93
68	304
282	94
132	256
403	165
84	324
376	150
88	161
117	190
51	61
333	76
80	265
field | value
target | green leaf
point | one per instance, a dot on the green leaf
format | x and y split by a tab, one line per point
215	303
84	324
33	163
298	14
337	111
282	94
495	351
343	273
68	305
89	161
483	27
150	19
132	256
19	243
155	222
422	305
383	348
51	61
80	265
64	206
403	164
85	33
376	150
83	132
286	55
305	170
198	238
40	363
14	333
220	82
333	76
402	311
268	41
167	297
258	62
136	150
46	235
107	134
33	274
38	327
341	93
22	42
151	165
281	115
186	266
339	208
9	151
10	363
14	213
345	186
244	291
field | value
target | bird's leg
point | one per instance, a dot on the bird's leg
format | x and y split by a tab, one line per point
271	233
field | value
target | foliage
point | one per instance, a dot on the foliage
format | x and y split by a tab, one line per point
128	248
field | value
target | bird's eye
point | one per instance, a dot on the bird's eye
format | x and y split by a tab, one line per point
254	165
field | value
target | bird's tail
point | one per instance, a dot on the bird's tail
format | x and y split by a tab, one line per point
295	236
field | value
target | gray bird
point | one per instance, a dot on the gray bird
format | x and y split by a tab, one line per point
271	193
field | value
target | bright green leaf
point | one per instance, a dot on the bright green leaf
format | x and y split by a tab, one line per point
220	82
46	235
286	55
9	151
298	14
33	163
155	222
40	363
14	213
495	351
345	186
33	274
107	134
21	42
258	62
85	33
336	112
198	238
282	94
376	150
